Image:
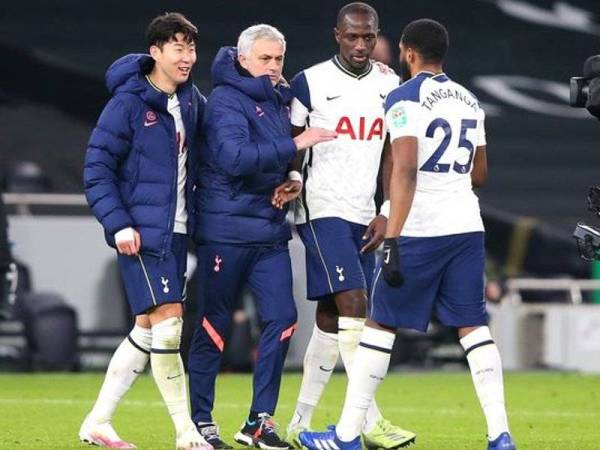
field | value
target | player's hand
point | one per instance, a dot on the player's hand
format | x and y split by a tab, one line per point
384	68
128	241
312	136
286	192
376	232
391	263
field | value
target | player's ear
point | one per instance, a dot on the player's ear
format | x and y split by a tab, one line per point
155	51
336	33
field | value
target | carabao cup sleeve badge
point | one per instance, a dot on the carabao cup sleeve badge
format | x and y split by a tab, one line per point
398	116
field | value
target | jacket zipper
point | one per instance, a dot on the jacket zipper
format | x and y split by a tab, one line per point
172	204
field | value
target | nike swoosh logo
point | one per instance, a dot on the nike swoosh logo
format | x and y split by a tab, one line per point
139	372
149	124
382	96
386	258
173	377
325	369
332	98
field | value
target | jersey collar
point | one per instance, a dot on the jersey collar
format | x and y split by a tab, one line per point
156	88
338	64
441	77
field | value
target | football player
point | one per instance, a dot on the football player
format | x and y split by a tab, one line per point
335	216
433	258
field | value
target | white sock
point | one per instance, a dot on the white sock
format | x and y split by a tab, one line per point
350	330
127	363
486	371
319	361
374	354
168	372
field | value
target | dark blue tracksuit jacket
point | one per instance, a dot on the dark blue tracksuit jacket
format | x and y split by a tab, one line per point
130	173
246	152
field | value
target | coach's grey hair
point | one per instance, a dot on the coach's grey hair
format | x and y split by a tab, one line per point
261	31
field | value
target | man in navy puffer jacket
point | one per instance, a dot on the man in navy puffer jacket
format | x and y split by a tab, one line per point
136	183
241	235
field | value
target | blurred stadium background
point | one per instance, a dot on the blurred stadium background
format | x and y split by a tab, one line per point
516	55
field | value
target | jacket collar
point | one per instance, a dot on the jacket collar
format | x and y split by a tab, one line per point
227	72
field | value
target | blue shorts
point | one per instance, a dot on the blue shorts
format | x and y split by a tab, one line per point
150	281
442	276
333	259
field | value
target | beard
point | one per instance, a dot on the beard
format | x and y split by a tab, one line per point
404	70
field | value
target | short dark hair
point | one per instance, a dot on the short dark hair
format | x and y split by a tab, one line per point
163	29
428	37
357	8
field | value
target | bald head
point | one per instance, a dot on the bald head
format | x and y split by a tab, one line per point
356	8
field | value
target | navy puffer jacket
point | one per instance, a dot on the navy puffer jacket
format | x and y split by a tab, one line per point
130	173
245	154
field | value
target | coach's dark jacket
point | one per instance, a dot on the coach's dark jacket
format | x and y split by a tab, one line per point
247	148
130	173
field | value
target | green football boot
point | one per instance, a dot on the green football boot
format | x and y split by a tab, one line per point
386	436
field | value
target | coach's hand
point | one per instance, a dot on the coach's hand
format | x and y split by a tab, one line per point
312	136
376	232
384	68
286	192
391	263
128	241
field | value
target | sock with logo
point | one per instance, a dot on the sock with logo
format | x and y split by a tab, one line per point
126	365
319	361
168	371
486	371
350	330
373	352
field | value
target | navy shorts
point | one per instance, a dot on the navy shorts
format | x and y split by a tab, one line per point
333	259
150	281
442	276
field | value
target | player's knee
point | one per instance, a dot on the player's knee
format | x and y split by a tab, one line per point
352	304
142	320
166	335
165	311
141	337
327	322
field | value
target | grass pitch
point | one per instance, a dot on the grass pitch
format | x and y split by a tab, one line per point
546	410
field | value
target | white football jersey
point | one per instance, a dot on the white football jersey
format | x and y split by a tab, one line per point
448	123
181	215
340	176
